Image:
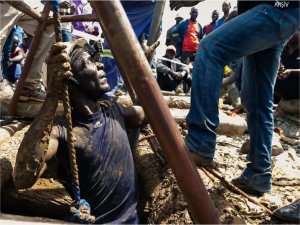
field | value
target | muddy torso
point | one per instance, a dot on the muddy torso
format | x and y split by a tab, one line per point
106	169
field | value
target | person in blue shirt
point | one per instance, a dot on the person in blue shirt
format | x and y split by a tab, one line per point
187	35
225	8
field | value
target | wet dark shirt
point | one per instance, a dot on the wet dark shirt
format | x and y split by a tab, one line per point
106	169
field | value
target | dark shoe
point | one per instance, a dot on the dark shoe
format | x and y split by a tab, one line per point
241	184
201	161
289	213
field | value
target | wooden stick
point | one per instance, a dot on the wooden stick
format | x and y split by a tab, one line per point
236	189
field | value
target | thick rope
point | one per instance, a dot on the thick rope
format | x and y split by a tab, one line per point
80	209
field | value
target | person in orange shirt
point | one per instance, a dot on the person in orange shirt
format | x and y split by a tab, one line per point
188	34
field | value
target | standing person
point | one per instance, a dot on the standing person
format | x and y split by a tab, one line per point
140	15
33	88
170	74
15	59
188	33
212	25
273	25
287	83
106	170
83	7
66	7
169	39
225	8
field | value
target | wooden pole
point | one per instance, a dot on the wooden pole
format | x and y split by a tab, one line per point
24	8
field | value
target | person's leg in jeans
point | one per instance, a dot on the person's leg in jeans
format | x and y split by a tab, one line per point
66	36
235	39
259	76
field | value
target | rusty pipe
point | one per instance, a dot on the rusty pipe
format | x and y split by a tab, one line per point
130	57
29	59
24	8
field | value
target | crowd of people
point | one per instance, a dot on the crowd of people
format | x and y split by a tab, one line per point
244	57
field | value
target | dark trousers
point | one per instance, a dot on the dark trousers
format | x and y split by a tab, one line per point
187	57
288	89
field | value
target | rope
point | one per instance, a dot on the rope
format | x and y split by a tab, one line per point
80	209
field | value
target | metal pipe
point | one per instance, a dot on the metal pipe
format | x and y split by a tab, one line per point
74	18
129	55
156	21
24	8
29	59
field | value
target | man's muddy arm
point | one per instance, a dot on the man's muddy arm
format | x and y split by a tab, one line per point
34	146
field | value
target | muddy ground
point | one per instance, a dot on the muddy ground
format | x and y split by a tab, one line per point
162	200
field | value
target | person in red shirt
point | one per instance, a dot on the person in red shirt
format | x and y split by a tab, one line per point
212	25
15	59
189	33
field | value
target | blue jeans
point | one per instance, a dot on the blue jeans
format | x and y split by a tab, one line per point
66	36
113	75
259	35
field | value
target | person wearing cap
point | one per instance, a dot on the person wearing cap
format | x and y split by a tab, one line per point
212	25
107	176
14	66
169	39
188	34
171	72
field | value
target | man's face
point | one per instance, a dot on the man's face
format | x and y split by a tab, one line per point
170	54
215	15
226	7
178	19
194	15
92	76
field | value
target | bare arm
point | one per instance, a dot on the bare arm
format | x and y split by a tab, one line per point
35	146
40	141
287	73
134	116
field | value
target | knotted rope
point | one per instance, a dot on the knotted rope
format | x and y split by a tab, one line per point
80	208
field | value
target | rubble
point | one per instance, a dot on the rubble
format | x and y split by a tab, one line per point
162	200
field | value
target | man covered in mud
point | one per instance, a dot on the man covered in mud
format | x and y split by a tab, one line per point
106	169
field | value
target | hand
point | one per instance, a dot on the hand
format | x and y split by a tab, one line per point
283	75
58	68
148	50
176	75
90	29
177	4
